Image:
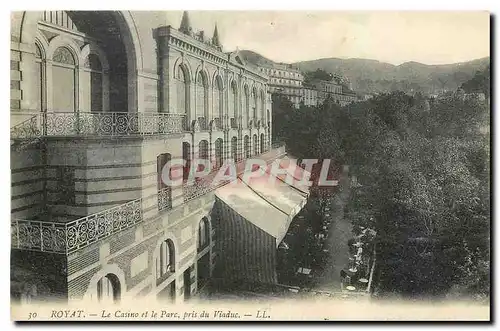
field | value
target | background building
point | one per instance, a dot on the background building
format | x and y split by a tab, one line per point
333	90
286	80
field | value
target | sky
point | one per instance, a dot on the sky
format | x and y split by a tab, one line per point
395	37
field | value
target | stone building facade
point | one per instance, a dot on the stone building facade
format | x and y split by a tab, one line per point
100	102
334	90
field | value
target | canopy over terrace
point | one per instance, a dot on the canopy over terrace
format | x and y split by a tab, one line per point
269	201
253	215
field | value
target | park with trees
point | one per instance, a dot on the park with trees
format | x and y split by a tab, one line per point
422	168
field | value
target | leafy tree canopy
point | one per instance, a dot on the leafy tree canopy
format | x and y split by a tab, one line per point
424	174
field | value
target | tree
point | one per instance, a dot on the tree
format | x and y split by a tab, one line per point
318	74
480	83
424	174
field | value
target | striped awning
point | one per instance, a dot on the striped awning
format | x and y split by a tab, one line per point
268	201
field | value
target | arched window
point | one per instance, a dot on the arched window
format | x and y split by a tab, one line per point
181	88
186	155
262	106
63	80
203	234
201	96
255	145
218	99
262	144
246	108
254	104
40	80
218	153
234	148
233	105
247	146
165	261
108	288
164	190
92	84
203	150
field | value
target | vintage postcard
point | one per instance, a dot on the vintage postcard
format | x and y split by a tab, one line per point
250	165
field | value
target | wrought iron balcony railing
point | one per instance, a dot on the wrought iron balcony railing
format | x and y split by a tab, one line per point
203	123
84	231
26	133
99	124
65	238
218	124
38	236
165	199
27	129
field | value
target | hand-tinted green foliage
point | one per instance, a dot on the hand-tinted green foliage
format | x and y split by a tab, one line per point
424	174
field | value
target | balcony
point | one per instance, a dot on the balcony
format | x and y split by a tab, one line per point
218	124
165	199
202	122
66	238
97	124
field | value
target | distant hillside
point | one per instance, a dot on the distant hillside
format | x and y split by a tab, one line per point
374	76
255	58
371	76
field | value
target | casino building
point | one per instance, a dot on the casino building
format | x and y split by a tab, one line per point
100	103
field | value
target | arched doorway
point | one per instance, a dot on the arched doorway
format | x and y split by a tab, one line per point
109	289
165	267
203	252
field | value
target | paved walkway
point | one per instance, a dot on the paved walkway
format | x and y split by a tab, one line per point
339	233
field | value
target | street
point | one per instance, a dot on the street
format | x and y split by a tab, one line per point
338	234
